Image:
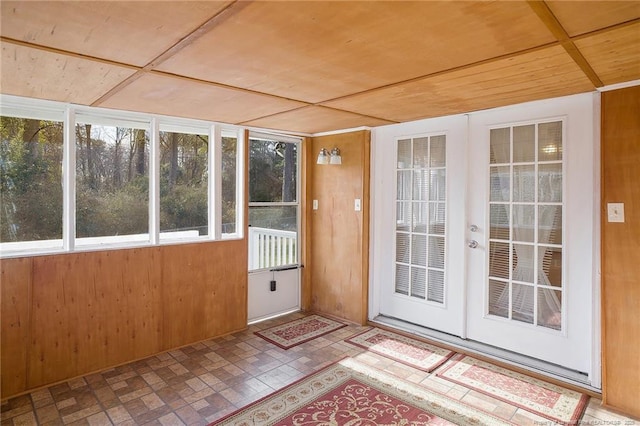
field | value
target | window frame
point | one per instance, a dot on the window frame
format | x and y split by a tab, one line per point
68	114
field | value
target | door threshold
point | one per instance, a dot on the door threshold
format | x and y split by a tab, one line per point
563	374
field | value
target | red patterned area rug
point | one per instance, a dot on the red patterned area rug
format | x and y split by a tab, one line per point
539	397
406	350
352	393
299	331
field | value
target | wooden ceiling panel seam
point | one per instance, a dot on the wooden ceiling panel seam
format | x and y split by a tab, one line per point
320	106
442	72
547	17
192	36
606	29
67	53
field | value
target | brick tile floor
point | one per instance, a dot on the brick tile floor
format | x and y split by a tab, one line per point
200	383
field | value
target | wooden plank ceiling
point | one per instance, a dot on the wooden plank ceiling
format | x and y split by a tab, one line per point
307	67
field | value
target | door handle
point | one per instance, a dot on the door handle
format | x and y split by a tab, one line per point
472	244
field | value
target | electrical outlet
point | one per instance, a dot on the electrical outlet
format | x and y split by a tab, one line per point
615	212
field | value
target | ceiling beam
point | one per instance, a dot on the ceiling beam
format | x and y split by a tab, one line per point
549	19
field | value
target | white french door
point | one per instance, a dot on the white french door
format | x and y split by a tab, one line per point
416	176
497	244
530	231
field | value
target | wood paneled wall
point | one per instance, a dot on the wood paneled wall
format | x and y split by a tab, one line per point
338	260
71	314
621	250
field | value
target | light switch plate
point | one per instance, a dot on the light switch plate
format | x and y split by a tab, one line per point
615	212
356	205
315	204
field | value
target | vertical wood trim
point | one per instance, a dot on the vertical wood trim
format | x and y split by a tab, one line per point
306	206
620	284
366	201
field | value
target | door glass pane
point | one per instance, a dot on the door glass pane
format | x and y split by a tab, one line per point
524	147
550	308
500	177
421	218
526	263
272	171
418	282
499	298
421	152
550	183
522	303
499	222
524	183
550	141
438	151
500	146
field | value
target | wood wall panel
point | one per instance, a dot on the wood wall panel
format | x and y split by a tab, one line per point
339	234
621	250
205	291
71	314
15	282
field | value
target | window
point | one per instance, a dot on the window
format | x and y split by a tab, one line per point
31	152
132	179
273	201
420	218
112	182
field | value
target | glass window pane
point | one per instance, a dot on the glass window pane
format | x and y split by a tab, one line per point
30	180
272	236
420	217
183	185
112	183
419	250
420	189
499	221
403	215
550	141
500	177
436	252
522	303
421	152
418	282
550	224
402	279
435	292
437	218
550	308
402	247
283	218
404	153
438	187
498	298
524	144
550	266
438	151
524	183
550	183
523	222
404	185
272	171
522	263
500	146
499	260
229	166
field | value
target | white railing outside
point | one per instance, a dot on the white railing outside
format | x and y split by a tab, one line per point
269	248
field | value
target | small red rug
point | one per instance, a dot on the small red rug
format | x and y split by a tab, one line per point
412	352
352	393
299	331
539	397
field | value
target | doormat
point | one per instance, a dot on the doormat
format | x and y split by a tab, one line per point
412	352
539	397
299	331
352	393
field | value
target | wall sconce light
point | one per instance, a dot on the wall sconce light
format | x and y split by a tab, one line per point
325	158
